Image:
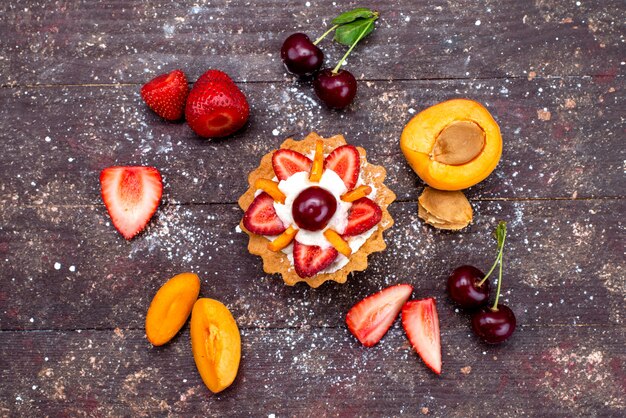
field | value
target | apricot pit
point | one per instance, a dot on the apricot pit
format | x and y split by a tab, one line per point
444	209
171	307
452	145
216	343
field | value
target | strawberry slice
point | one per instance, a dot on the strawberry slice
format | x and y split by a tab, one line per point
363	216
288	162
261	217
370	319
345	161
421	324
166	94
310	259
131	195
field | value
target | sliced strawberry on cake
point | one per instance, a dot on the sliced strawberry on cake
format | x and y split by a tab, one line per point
363	216
309	260
261	217
131	195
346	162
421	323
370	319
288	162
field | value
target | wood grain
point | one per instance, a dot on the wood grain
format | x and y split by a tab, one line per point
73	292
93	42
561	267
541	371
60	138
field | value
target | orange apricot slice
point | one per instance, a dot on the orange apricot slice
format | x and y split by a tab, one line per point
283	239
356	194
452	145
337	242
171	307
317	169
215	343
271	188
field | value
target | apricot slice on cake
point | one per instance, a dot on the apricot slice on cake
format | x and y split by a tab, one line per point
216	343
171	307
452	145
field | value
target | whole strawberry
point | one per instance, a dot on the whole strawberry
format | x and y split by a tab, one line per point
166	94
215	106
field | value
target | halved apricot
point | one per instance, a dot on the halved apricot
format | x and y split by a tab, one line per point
452	145
171	307
216	343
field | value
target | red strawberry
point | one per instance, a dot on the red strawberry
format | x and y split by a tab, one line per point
166	94
131	195
261	217
215	106
421	324
214	76
287	162
310	259
370	319
345	161
364	215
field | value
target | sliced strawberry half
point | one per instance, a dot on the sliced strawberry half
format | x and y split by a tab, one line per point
421	323
370	319
261	217
345	161
131	195
166	94
310	259
364	215
288	162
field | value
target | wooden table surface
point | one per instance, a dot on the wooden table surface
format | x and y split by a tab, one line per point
74	293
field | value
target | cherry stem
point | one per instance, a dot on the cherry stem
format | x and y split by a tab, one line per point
318	40
365	29
501	236
495	304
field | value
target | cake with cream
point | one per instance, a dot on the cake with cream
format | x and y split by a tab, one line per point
315	210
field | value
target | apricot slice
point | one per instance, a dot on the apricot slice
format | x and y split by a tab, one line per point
317	169
215	343
338	242
283	239
171	307
452	145
271	188
356	194
444	209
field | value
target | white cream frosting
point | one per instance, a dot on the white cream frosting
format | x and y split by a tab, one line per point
331	182
298	182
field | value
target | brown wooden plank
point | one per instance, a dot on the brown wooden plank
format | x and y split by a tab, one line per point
56	140
66	267
554	371
130	41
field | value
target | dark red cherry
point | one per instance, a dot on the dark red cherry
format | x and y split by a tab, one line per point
335	90
300	56
313	208
494	326
464	290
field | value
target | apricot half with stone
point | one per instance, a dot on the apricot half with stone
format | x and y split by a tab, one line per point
452	145
171	307
216	343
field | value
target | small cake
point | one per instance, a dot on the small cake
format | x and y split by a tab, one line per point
315	210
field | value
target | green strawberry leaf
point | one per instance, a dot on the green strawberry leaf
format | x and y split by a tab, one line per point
352	15
349	33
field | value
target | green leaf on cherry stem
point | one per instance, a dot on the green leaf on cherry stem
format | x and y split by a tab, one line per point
349	33
352	15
